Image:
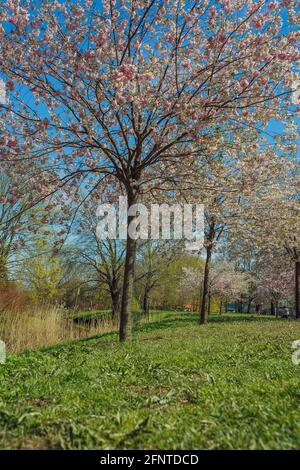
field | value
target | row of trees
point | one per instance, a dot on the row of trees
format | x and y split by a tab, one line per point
85	272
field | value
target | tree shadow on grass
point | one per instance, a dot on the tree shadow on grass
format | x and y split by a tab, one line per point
178	319
168	320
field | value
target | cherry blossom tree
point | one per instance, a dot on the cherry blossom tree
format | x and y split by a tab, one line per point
190	283
230	183
154	258
279	285
227	283
131	89
272	222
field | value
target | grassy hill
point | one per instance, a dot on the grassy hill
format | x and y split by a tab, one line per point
228	384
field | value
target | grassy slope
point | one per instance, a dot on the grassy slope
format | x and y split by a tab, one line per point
228	384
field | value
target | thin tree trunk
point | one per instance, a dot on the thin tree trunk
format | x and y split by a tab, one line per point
249	305
209	303
146	302
125	331
203	317
297	294
276	310
221	305
115	303
272	308
3	268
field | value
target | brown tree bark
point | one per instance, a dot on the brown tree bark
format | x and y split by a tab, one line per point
115	302
125	331
146	308
297	294
3	268
203	317
209	303
276	308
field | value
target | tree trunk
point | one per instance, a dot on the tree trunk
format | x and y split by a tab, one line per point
272	308
146	302
297	294
209	303
3	268
249	305
276	310
115	303
203	317
125	331
221	305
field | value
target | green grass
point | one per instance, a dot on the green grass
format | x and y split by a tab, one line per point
96	314
230	384
90	314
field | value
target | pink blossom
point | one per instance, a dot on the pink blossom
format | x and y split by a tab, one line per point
12	142
10	85
14	20
185	63
127	70
272	6
213	11
100	39
244	83
258	23
283	55
89	54
221	36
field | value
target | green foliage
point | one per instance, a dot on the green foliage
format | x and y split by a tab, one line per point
134	305
45	275
169	293
229	384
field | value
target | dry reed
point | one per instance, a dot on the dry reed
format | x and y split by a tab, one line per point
40	326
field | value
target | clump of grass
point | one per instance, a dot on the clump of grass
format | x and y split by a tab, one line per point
38	326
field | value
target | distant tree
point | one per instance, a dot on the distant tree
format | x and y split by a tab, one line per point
102	261
228	284
17	224
153	261
41	271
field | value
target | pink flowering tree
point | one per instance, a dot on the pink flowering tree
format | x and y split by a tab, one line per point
276	278
231	182
227	283
273	225
131	89
191	285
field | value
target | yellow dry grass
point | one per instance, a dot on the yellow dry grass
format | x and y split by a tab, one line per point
40	326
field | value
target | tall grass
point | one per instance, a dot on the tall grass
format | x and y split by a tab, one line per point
39	326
